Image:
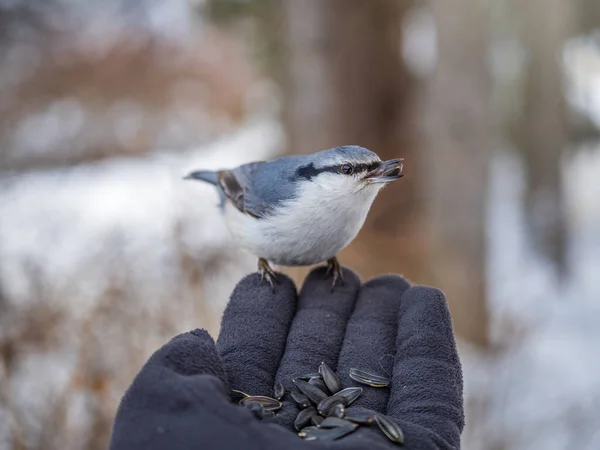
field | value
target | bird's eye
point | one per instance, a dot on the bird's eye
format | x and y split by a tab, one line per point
347	169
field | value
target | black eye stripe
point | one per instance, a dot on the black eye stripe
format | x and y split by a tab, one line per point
310	171
365	167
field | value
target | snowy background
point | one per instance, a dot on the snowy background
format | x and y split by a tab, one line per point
105	253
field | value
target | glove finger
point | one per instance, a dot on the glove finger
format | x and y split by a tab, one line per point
253	333
192	353
370	340
317	331
427	377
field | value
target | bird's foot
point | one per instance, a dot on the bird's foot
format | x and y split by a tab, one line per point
334	267
266	273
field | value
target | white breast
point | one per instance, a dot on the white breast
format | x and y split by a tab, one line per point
305	232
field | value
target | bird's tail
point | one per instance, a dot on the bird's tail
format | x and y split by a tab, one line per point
203	175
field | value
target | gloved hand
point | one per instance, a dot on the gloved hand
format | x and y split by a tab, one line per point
180	398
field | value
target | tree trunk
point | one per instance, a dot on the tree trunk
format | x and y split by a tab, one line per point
457	133
544	132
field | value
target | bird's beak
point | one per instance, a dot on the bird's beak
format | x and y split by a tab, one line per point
386	171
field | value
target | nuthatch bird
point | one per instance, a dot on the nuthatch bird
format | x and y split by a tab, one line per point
301	210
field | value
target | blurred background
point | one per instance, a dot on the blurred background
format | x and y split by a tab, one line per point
105	253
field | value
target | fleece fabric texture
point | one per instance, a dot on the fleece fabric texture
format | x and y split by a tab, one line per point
179	400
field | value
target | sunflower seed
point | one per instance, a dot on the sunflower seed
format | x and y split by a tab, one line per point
360	416
313	393
236	395
316	420
333	422
344	397
390	428
326	405
303	418
315	381
278	391
308	376
325	434
337	411
256	409
301	400
268	403
332	381
368	378
350	394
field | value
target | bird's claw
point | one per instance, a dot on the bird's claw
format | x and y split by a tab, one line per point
334	267
266	273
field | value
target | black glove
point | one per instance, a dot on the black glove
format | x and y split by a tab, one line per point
180	398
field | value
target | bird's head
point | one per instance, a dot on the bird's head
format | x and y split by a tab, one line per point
349	170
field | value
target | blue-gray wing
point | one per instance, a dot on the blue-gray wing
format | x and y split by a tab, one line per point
257	188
